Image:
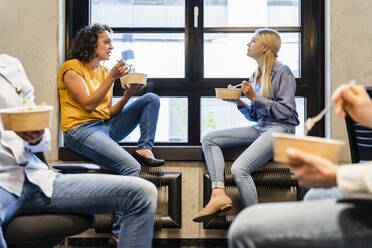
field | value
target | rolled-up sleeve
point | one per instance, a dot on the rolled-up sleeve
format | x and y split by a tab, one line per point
42	146
355	178
248	112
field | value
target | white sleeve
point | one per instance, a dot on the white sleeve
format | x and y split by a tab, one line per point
22	80
43	145
355	178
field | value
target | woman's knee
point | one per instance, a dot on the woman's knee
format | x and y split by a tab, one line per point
147	194
135	169
153	98
151	192
129	169
238	170
208	139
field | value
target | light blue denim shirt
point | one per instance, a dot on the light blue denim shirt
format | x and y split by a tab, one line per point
280	106
17	159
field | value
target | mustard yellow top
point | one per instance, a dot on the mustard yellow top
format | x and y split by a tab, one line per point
72	113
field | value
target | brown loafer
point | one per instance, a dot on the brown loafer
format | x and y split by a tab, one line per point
219	206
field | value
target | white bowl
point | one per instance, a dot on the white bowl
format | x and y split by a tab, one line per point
323	147
23	119
133	78
228	94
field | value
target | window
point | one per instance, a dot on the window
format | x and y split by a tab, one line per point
172	122
189	48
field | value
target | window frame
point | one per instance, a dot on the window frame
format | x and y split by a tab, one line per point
194	86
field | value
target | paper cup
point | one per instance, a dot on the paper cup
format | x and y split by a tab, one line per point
323	147
133	78
228	94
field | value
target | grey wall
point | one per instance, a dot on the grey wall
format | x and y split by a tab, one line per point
350	51
32	30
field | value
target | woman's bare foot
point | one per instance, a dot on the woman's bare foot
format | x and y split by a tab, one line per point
145	153
146	157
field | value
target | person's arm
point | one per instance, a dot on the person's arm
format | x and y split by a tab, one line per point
128	93
36	141
248	112
281	105
356	178
354	100
77	86
313	171
244	108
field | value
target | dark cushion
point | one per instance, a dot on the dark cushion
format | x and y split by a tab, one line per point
31	229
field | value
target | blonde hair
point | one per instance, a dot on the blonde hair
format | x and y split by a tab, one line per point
271	39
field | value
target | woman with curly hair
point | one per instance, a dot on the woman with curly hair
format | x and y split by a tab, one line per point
92	125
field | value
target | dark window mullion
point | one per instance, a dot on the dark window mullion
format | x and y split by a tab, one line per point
251	29
195	64
147	30
77	17
194	119
188	35
312	59
196	41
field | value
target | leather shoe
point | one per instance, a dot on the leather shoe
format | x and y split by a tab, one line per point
151	162
219	206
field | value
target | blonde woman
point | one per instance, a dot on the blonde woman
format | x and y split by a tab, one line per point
272	106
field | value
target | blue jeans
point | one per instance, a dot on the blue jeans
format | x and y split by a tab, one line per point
259	140
317	223
98	140
323	193
91	194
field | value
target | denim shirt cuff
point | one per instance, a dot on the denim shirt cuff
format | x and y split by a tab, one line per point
261	101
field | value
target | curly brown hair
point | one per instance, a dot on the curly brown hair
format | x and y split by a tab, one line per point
84	44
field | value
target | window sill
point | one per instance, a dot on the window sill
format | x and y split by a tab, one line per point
169	153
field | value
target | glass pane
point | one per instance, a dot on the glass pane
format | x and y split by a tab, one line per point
139	13
158	55
172	122
251	13
217	114
225	54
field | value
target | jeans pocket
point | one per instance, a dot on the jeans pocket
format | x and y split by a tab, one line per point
73	130
70	132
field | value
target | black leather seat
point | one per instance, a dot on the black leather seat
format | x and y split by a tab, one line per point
44	230
360	139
